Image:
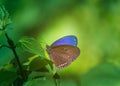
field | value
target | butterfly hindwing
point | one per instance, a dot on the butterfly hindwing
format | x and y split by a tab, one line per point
63	55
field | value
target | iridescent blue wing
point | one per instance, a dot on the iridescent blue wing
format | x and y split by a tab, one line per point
67	40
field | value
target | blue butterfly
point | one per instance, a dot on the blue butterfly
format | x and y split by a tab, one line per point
63	51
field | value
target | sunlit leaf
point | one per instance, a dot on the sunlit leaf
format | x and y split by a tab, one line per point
35	75
102	75
30	59
37	64
39	82
31	45
8	67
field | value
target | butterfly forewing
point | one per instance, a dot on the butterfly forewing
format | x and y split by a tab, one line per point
63	55
66	40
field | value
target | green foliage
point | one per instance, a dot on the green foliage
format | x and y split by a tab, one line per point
37	64
7	75
35	75
15	72
2	33
0	45
102	75
96	24
5	21
31	45
3	12
40	81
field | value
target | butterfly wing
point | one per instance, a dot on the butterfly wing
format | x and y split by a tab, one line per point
63	55
67	40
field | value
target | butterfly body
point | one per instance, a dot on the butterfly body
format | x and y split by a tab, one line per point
62	54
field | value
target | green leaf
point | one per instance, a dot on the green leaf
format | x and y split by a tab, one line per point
2	33
102	75
50	63
8	67
9	24
3	12
40	82
35	75
18	81
43	69
7	77
0	45
37	64
36	60
5	21
31	45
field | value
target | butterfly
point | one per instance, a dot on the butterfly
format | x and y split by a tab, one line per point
63	51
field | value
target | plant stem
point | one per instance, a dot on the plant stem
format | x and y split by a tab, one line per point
12	46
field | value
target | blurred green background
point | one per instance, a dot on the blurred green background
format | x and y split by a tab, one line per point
94	22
